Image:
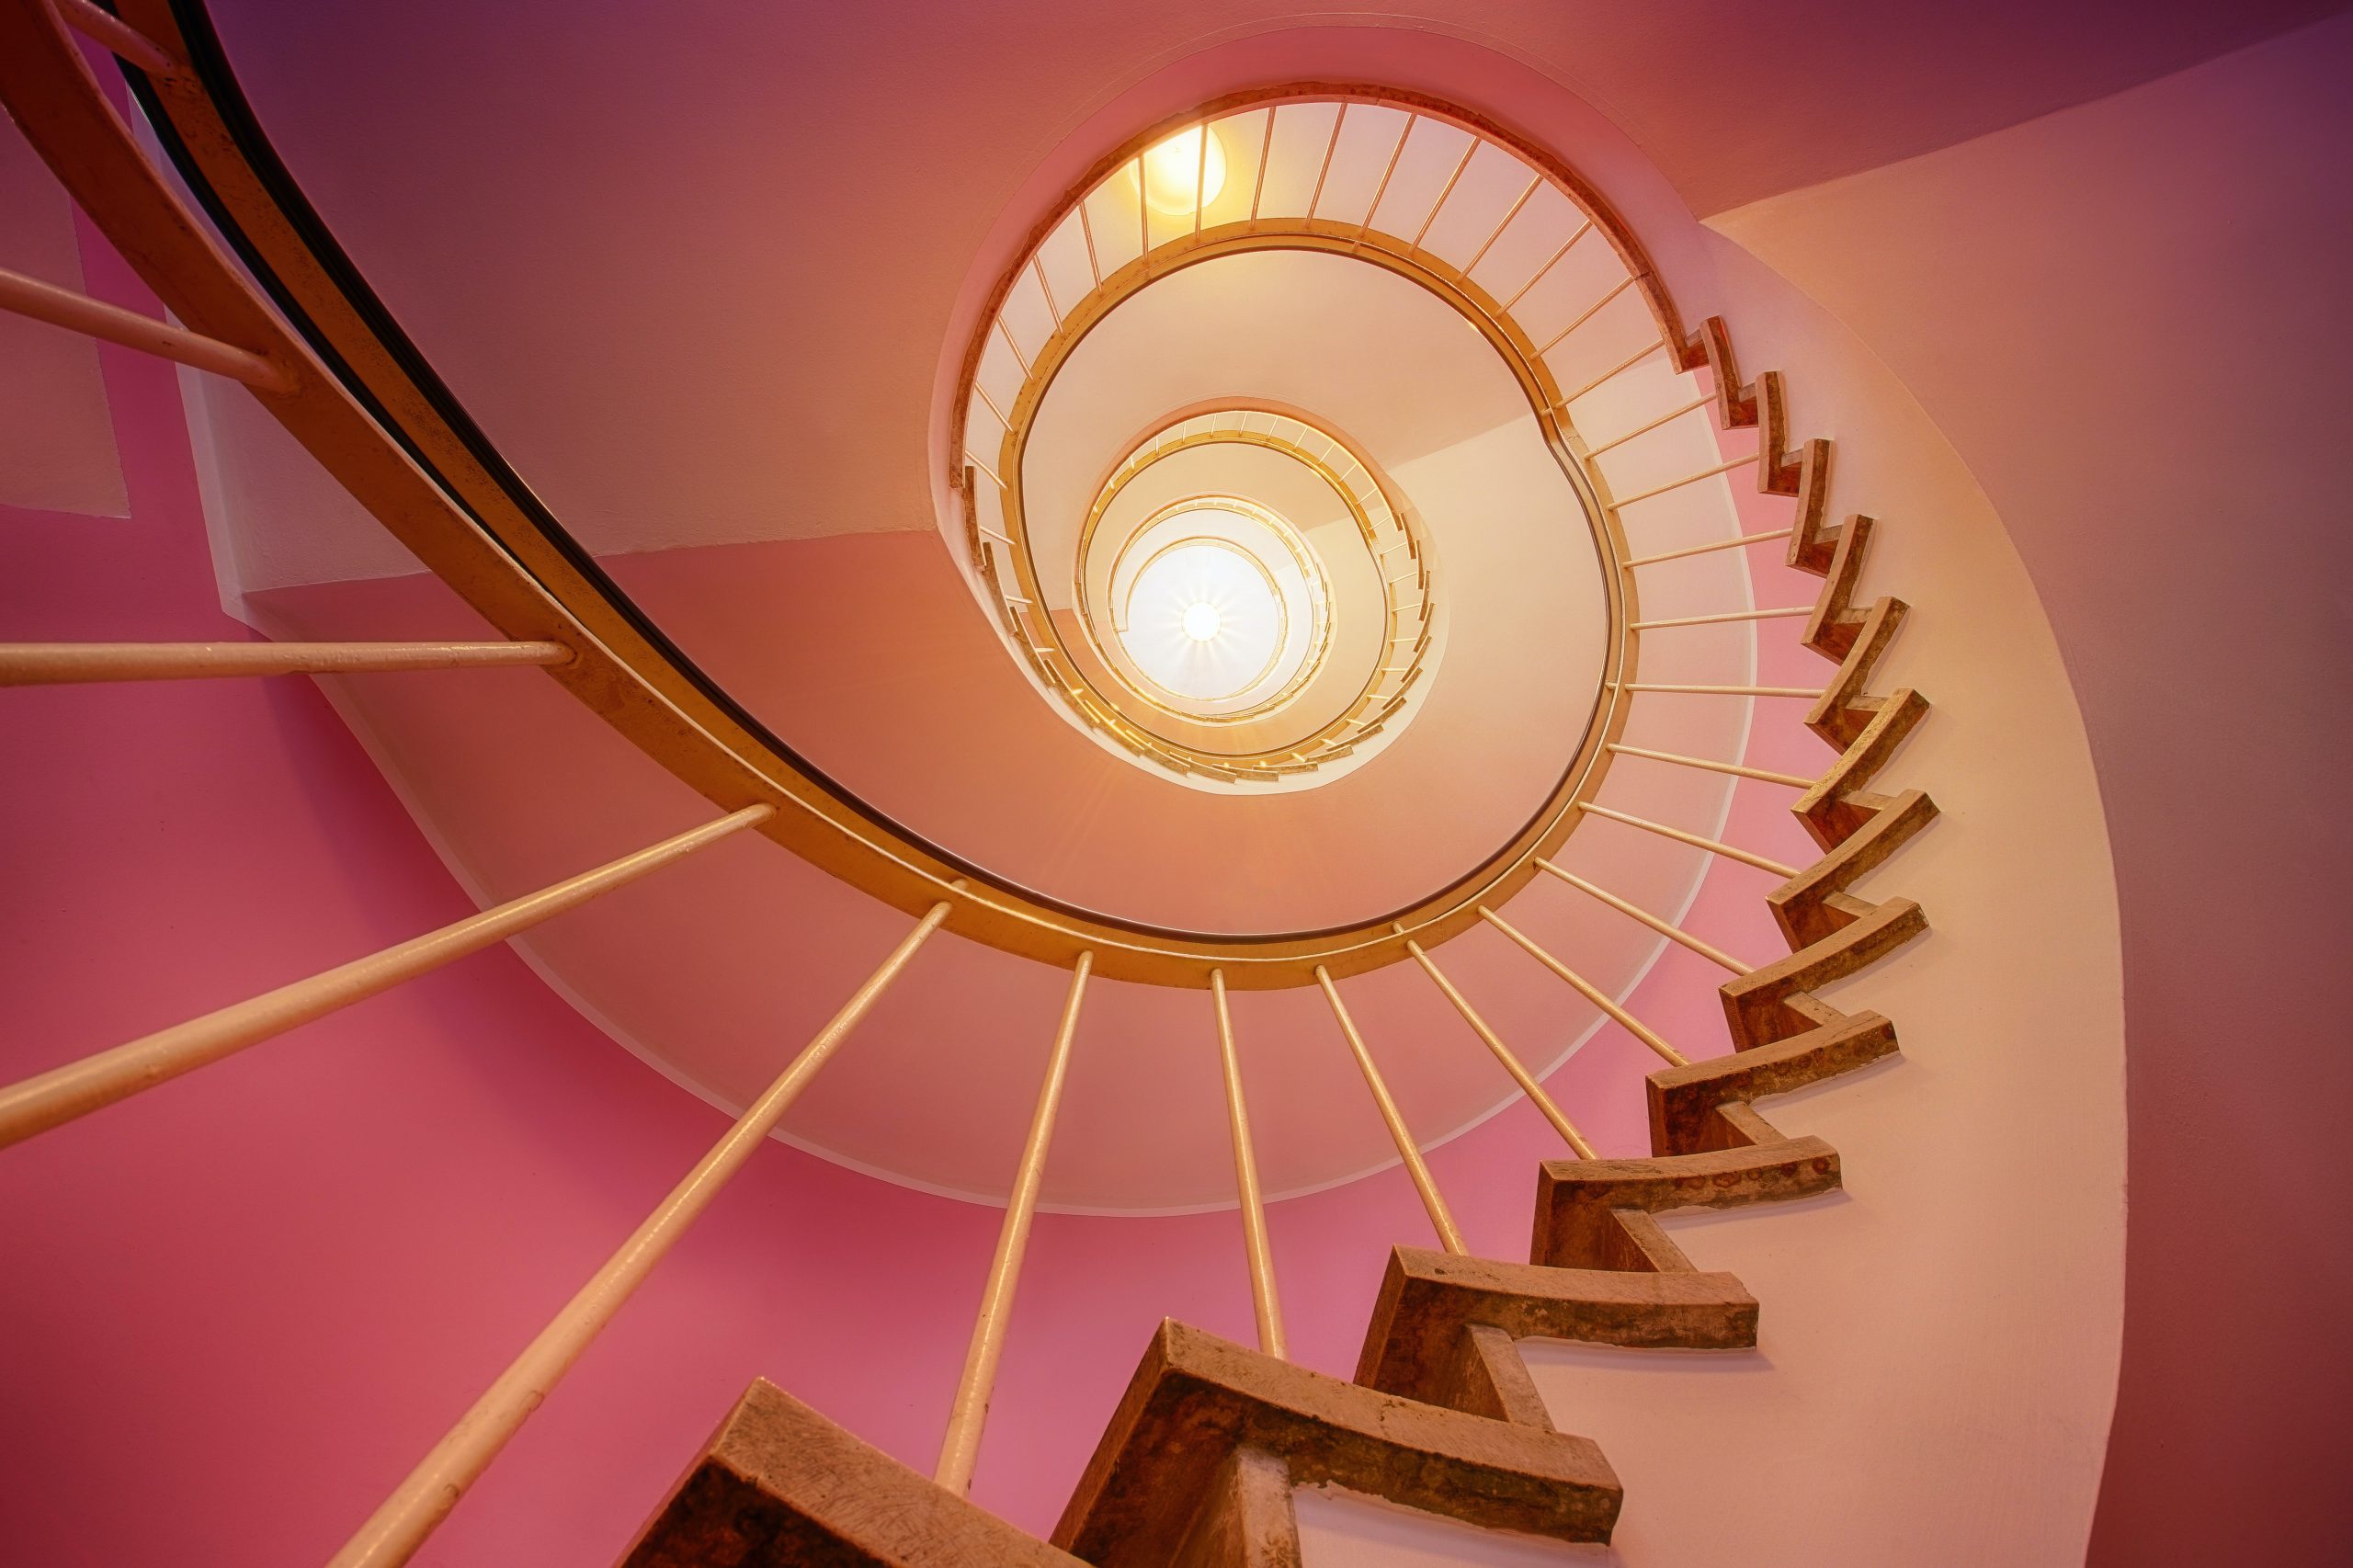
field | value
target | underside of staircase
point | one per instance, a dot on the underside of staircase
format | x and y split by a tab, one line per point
1197	1463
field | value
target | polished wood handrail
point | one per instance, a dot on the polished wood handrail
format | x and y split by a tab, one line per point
1503	1055
1449	1237
55	1097
531	590
1586	988
960	1446
37	301
60	664
514	566
1265	1305
1622	1192
395	1532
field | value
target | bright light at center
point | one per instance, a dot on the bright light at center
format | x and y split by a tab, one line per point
1180	174
1204	618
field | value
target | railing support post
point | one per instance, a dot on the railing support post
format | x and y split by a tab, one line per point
37	1104
1511	1065
63	664
412	1513
1586	989
961	1447
1441	1220
1246	1179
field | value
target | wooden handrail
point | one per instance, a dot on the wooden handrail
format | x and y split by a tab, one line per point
60	664
395	1532
42	301
1738	771
1728	851
505	556
1670	931
959	1448
1441	1220
53	1098
1503	1054
1262	1297
1586	988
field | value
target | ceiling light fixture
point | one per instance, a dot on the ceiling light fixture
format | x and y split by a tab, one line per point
1180	175
1202	621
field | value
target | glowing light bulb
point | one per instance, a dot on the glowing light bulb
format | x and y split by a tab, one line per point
1178	168
1202	621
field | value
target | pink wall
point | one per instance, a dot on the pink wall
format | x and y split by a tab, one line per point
287	1273
216	1254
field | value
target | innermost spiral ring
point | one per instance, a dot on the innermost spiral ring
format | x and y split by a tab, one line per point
1204	618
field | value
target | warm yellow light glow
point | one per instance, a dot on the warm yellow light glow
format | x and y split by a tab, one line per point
1176	168
1202	621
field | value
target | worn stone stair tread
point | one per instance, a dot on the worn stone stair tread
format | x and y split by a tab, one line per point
1578	1201
1429	1299
780	1486
1198	1399
1684	1100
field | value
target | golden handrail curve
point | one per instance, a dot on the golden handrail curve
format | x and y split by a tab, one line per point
1373	506
1034	633
379	422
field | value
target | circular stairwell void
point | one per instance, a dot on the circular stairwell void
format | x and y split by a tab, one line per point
1217	608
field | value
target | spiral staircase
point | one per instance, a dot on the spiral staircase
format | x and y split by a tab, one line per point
1200	1461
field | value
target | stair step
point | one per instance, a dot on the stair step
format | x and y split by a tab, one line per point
780	1486
1595	1213
1197	1400
1685	1101
1417	1346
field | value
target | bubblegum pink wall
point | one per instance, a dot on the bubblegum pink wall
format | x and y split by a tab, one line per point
286	1274
315	1289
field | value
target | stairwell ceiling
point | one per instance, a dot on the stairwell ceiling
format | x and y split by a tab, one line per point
692	265
698	270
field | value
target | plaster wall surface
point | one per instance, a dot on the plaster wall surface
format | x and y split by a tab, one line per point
392	1286
2129	318
59	450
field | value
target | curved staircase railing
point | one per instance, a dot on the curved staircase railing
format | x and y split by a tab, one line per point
1197	1464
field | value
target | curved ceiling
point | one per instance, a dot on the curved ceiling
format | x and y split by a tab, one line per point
754	471
866	650
479	172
